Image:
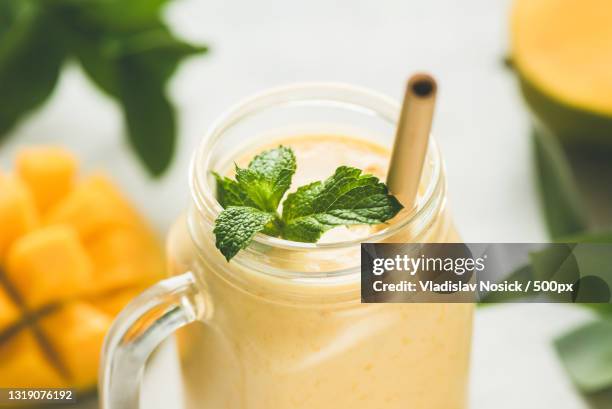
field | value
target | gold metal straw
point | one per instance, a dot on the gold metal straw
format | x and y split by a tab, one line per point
412	139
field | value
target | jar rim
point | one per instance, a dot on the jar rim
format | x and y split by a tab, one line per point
355	97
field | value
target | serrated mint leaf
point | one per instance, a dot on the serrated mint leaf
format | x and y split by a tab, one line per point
251	201
236	226
348	197
229	192
268	177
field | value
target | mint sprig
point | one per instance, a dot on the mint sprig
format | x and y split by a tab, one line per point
250	202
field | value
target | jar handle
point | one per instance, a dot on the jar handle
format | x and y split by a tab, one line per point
140	327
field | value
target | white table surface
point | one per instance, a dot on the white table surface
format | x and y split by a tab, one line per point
481	125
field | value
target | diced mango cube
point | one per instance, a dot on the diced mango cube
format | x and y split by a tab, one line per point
18	213
9	313
49	172
124	258
47	265
76	333
92	207
25	365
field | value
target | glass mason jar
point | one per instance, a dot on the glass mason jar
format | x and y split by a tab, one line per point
282	325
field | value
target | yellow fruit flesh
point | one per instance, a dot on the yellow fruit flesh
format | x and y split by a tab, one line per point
123	257
26	365
9	313
92	207
69	263
48	265
18	213
49	173
564	49
76	333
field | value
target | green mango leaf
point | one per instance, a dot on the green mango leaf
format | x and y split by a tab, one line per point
600	263
123	46
522	275
134	69
602	236
566	264
116	15
561	201
30	60
586	353
100	51
149	115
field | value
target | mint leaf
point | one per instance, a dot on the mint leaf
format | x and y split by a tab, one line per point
251	201
268	177
348	197
236	226
229	192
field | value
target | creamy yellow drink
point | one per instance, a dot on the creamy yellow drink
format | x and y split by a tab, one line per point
284	326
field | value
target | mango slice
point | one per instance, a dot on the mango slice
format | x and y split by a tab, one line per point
49	172
48	265
25	364
73	253
76	333
18	214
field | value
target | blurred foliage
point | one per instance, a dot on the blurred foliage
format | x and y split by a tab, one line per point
586	352
123	46
587	355
563	208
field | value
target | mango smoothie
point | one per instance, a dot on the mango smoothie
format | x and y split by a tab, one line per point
284	327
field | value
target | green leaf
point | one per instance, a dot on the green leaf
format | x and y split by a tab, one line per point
101	55
115	15
135	69
153	43
522	275
268	177
30	60
563	207
149	115
597	262
236	226
566	264
346	198
588	237
586	353
229	192
123	46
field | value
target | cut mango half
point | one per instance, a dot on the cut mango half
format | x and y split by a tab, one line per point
73	253
562	51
